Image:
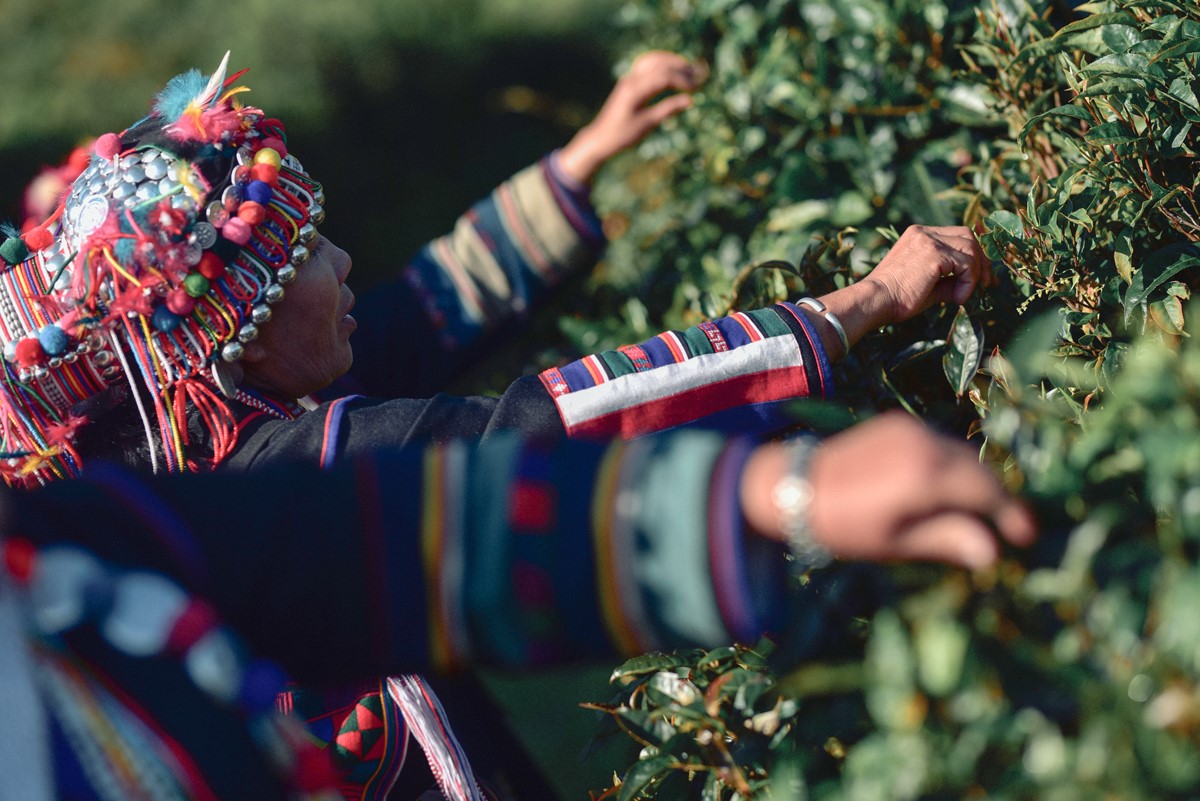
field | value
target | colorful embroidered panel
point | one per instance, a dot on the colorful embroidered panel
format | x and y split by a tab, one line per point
734	373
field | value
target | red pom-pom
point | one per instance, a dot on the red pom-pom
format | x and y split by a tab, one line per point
19	559
211	266
64	432
107	146
236	231
38	239
253	213
29	352
267	173
276	144
180	302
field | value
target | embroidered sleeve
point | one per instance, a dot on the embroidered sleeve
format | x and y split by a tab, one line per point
503	552
442	312
582	551
732	374
504	253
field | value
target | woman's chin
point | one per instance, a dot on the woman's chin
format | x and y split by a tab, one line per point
346	363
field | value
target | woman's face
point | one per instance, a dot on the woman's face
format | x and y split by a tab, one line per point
306	344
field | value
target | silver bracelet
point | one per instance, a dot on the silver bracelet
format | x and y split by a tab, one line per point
792	496
821	309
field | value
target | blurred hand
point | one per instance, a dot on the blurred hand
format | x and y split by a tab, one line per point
628	115
930	265
892	489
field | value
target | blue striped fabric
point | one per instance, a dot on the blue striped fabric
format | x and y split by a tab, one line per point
503	255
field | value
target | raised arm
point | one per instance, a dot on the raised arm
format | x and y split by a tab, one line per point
737	373
508	251
635	107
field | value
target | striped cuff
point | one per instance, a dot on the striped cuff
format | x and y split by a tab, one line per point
575	201
733	374
503	255
662	574
748	607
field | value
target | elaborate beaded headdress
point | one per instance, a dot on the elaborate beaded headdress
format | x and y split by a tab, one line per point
162	260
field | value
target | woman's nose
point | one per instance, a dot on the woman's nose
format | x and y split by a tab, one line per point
344	264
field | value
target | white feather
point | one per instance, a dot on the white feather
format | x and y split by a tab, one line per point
215	84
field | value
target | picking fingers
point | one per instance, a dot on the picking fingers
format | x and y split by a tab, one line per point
964	485
965	264
657	72
957	538
667	107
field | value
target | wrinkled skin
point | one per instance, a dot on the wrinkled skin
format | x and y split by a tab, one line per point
306	345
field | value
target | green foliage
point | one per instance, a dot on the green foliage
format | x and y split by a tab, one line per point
677	707
1071	671
1099	215
826	119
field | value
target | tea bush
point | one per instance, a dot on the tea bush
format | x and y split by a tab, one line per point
1068	137
819	119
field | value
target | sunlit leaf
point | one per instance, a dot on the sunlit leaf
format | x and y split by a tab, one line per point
1096	21
964	352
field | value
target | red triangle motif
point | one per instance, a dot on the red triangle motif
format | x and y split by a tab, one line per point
351	742
367	719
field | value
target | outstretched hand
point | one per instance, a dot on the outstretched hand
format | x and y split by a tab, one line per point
891	489
628	115
924	267
931	265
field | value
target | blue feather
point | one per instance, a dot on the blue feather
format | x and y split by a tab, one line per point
178	93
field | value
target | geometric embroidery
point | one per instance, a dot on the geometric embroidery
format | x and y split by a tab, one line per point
762	360
360	738
641	362
715	337
554	382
